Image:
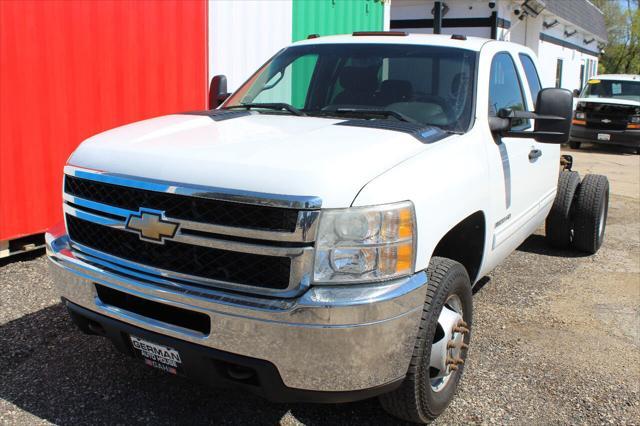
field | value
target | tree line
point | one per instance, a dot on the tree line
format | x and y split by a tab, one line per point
621	55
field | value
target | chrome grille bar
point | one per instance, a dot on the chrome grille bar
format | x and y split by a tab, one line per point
300	279
305	230
186	238
301	202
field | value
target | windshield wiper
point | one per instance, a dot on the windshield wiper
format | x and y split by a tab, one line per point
277	106
371	112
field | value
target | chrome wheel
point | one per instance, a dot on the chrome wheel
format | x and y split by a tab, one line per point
448	343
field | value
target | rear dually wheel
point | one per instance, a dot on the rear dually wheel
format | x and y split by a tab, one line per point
591	210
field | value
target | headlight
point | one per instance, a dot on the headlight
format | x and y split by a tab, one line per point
365	243
635	119
580	115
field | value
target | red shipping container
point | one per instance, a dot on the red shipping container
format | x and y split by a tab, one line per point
72	68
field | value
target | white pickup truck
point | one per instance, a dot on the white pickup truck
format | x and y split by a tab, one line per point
317	236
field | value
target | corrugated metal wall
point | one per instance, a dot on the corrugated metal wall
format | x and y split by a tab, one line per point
327	17
71	69
245	34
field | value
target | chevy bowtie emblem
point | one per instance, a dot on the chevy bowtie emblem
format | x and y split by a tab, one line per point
606	121
151	226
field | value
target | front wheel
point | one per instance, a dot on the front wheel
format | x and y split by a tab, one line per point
574	144
441	346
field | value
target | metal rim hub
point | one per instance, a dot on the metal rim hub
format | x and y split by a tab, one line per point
448	343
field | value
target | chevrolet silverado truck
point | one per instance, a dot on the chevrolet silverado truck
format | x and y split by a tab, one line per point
608	112
317	235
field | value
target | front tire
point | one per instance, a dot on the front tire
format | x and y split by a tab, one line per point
574	144
441	346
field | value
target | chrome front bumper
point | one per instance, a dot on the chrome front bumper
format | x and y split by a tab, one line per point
331	338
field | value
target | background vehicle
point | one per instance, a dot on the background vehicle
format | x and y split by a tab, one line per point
310	240
608	112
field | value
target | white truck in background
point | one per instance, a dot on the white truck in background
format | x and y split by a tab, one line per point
317	236
607	112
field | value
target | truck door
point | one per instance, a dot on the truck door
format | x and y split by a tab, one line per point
547	164
522	162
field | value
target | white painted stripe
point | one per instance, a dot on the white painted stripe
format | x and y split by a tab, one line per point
386	24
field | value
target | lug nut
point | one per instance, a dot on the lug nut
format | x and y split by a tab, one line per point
453	367
463	330
458	361
462	324
464	346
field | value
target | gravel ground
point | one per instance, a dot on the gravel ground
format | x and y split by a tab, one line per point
556	340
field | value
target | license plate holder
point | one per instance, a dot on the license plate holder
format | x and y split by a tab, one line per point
158	356
604	137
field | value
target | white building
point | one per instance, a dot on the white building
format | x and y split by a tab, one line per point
567	35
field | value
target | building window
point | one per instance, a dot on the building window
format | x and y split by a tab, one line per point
559	73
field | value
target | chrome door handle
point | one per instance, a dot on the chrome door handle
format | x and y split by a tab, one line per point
534	154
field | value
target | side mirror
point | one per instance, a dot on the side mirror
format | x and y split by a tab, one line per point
217	91
576	93
554	109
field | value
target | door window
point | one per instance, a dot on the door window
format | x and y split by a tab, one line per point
532	76
505	89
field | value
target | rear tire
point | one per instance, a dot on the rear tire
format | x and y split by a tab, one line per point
575	145
591	209
420	398
559	224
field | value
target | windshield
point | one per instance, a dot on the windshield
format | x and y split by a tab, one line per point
618	89
427	84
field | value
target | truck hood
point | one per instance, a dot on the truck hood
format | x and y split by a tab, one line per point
269	153
613	101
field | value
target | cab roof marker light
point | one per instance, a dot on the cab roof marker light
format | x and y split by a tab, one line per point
380	33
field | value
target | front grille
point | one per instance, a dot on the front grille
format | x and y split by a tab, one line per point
614	125
176	206
242	268
617	115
